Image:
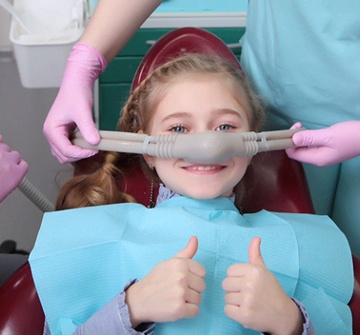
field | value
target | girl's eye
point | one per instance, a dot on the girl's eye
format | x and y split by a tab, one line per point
225	127
178	129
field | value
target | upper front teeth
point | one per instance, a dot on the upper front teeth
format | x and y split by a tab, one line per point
204	168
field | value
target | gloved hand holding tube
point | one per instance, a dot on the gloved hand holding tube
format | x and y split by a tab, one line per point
73	105
328	146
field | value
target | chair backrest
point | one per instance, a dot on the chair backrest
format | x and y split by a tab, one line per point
278	184
20	308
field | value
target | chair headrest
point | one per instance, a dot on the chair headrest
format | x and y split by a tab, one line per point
180	41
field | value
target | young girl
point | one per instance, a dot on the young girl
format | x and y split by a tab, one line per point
123	269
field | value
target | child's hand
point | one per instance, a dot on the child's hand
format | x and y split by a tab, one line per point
328	146
171	291
255	298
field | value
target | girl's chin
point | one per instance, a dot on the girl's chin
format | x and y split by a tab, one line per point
206	195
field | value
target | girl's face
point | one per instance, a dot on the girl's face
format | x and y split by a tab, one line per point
196	105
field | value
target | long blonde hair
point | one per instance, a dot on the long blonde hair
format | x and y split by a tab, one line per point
102	186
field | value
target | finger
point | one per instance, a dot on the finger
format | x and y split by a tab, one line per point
303	139
4	148
231	284
255	257
23	166
190	311
190	250
291	152
234	298
196	281
89	131
59	144
312	138
297	125
57	154
311	155
193	297
75	153
65	152
233	312
238	279
188	253
62	148
12	157
238	269
197	269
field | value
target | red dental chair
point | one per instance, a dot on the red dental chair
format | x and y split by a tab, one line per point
278	184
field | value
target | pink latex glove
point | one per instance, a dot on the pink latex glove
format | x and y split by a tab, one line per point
73	105
12	170
326	146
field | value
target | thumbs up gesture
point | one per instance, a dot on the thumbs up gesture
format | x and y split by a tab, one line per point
255	299
171	291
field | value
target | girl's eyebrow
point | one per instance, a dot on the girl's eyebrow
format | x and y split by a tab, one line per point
224	111
221	111
176	115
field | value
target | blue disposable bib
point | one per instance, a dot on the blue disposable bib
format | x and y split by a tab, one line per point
84	257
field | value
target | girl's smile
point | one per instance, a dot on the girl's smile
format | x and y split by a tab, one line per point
209	169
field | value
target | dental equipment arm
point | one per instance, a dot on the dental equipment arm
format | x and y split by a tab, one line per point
12	174
203	148
35	196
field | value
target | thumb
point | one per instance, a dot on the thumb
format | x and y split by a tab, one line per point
255	257
190	250
312	138
303	138
89	131
296	125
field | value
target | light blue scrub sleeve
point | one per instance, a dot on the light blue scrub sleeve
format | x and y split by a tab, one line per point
303	58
